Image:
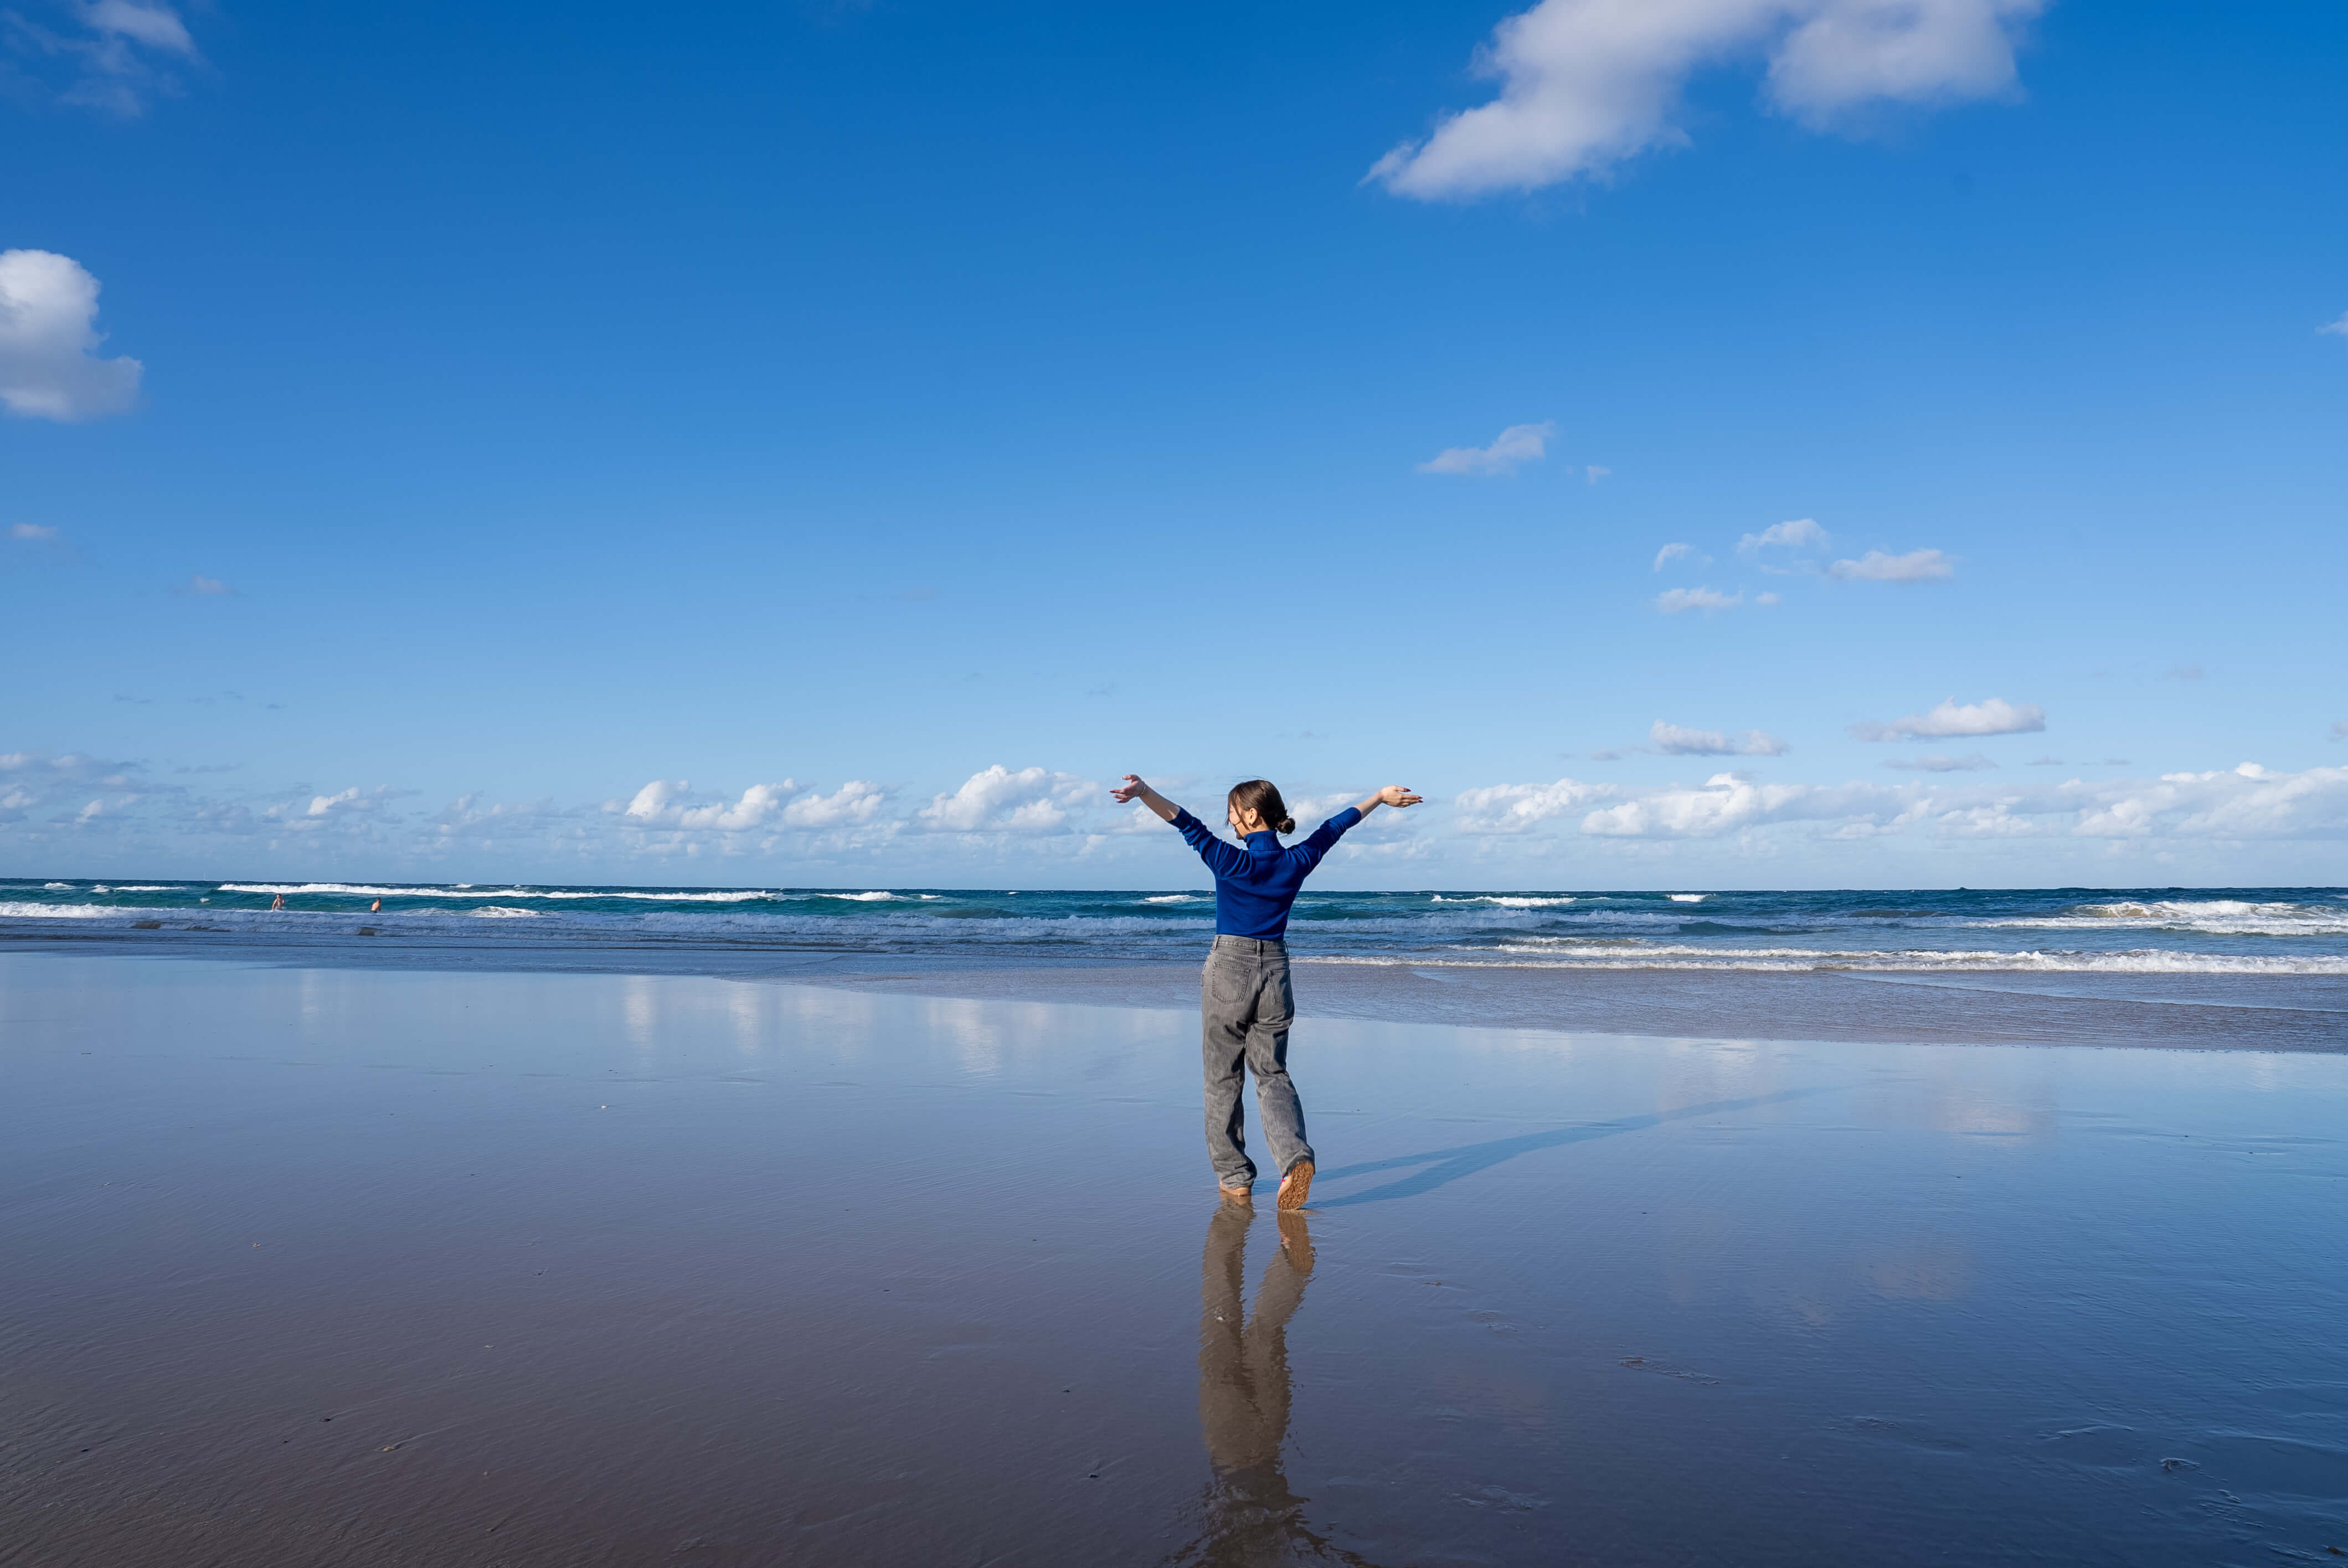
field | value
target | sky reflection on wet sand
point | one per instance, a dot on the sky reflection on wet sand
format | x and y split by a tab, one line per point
588	1269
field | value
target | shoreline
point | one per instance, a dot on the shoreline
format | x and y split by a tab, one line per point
2195	1012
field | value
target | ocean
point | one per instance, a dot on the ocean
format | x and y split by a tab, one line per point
2277	932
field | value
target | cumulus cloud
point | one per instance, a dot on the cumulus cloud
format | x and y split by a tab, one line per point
1795	534
2245	803
1520	808
1516	444
1670	553
32	533
49	365
1916	566
1972	762
853	804
1727	801
1031	800
1674	742
1951	718
1587	84
1677	601
2338	328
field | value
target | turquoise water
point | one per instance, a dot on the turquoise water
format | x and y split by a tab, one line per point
2243	931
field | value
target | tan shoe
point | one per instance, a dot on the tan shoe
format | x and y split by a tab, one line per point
1238	1194
1295	1186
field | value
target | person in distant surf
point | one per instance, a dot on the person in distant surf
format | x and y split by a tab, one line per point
278	902
1245	1002
376	907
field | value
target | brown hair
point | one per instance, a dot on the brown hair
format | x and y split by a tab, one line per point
1262	797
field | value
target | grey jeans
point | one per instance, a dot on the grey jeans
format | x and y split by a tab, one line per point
1244	1008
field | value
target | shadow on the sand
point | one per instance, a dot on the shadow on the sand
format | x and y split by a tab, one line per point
1444	1166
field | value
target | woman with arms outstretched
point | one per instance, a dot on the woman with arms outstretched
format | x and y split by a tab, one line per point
1245	1003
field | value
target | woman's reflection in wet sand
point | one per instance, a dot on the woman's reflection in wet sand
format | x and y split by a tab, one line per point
1251	1515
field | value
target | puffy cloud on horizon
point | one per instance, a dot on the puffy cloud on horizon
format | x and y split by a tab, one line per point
996	800
672	805
1993	717
1672	741
1516	444
1520	808
1588	84
2240	803
1916	566
49	365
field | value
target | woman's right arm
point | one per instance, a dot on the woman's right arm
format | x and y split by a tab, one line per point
1133	789
1221	859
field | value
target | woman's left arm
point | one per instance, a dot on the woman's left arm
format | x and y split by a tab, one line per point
1393	794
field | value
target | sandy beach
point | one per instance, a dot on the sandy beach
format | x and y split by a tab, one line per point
319	1265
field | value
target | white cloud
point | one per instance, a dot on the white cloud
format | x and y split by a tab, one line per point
33	533
1033	800
1670	553
1729	802
1594	472
1972	762
1793	534
1766	598
853	804
1675	600
49	365
157	26
117	51
1520	808
1674	742
1587	84
1516	444
2338	328
2340	729
203	587
1916	566
1992	717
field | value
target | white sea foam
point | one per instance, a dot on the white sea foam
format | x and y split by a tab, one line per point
55	886
862	897
349	887
467	890
149	887
1687	898
1507	900
1171	898
2139	961
504	912
56	911
2205	917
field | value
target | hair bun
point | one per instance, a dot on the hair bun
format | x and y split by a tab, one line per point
1288	825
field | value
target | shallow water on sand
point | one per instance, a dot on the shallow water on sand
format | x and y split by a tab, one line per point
343	1266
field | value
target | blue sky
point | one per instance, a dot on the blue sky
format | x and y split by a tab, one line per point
830	442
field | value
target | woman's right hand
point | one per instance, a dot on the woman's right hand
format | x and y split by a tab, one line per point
1132	790
1395	795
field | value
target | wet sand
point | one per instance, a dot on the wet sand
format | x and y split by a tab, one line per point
328	1266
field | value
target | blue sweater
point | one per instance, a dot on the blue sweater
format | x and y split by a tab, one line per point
1256	881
